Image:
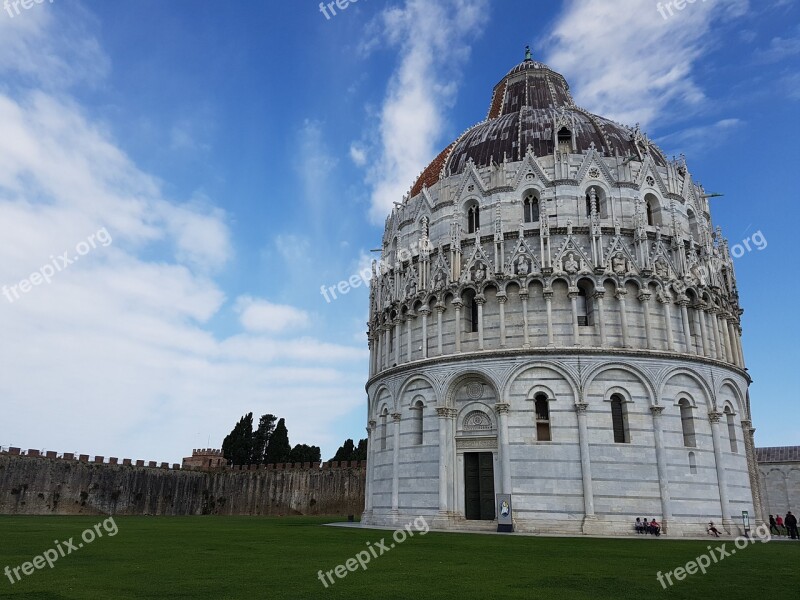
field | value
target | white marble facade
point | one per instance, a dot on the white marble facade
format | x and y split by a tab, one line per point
571	312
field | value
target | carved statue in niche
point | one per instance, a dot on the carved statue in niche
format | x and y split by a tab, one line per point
618	264
571	265
438	281
411	287
699	273
521	266
662	269
479	274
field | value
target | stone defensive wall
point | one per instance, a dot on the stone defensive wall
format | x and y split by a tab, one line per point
38	483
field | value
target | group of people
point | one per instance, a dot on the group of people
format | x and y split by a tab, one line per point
643	527
785	526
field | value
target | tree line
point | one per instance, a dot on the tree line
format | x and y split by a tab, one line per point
269	444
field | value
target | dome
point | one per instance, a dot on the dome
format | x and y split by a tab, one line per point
531	107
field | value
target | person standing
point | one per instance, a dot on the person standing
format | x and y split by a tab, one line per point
773	526
791	525
779	522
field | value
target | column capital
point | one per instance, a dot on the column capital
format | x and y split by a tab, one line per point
410	315
620	294
548	294
480	299
502	408
439	308
643	297
599	294
424	311
457	303
581	407
396	417
656	410
445	412
372	424
714	416
502	298
572	294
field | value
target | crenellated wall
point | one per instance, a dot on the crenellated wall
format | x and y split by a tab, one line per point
52	484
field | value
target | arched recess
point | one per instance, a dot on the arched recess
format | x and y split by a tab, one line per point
703	394
569	378
728	391
382	397
474	376
415	378
641	377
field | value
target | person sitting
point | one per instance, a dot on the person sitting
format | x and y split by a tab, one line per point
711	530
655	527
639	526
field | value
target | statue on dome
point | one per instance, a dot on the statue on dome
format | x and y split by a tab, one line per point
528	53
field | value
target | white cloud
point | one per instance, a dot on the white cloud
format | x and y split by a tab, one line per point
117	356
641	63
358	155
696	140
261	315
433	40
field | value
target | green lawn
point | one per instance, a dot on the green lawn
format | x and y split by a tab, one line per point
266	558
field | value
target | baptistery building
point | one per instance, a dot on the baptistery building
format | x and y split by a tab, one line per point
554	317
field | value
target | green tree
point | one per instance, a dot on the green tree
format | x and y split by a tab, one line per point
238	444
278	448
348	451
266	425
303	453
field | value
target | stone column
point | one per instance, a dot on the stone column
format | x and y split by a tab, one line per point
712	317
386	358
586	467
396	465
397	326
409	350
446	455
481	301
687	333
576	334
738	337
661	460
620	295
701	315
752	472
502	300
644	298
601	318
424	311
457	304
727	335
526	333
439	311
502	441
548	299
722	478
370	468
668	322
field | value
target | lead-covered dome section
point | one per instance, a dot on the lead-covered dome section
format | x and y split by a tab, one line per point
532	107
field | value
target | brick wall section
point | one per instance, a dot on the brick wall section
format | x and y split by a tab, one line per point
32	484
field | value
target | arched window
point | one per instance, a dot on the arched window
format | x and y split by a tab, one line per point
649	209
693	224
384	428
692	463
542	418
473	218
564	140
619	420
416	413
588	205
687	424
652	210
470	312
585	305
530	208
731	429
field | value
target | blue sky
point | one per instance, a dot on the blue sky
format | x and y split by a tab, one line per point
240	155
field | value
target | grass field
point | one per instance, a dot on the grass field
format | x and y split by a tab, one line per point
266	558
